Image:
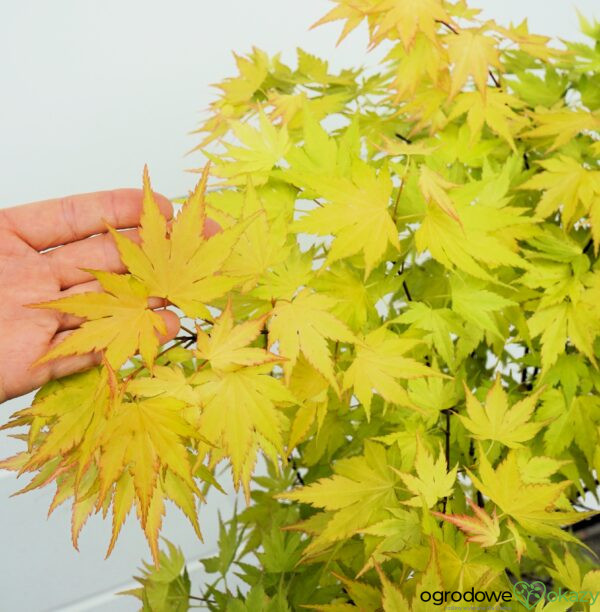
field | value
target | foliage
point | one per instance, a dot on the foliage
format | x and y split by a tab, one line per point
400	316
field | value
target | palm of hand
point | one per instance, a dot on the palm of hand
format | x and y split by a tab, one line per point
74	231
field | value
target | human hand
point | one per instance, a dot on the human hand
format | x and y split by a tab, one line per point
43	247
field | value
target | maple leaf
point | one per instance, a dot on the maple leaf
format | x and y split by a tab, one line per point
303	324
395	534
561	322
198	261
481	528
112	453
423	60
496	110
354	299
118	320
262	149
483	236
66	415
378	362
357	215
434	187
432	482
238	395
352	13
533	44
438	324
406	18
531	505
472	53
310	388
478	305
561	126
356	495
282	281
260	247
569	187
496	421
168	381
392	598
226	347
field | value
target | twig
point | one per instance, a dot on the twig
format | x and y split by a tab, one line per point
403	138
447	451
140	368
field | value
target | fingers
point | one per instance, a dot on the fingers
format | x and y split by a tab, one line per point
98	253
78	363
211	227
56	222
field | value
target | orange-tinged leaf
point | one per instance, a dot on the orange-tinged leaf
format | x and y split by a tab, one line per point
118	321
198	261
123	498
153	520
180	492
481	528
531	505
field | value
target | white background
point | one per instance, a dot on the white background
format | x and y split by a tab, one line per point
89	92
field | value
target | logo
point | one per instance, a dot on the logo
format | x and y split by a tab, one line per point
529	593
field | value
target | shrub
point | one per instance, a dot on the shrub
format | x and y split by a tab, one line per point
400	317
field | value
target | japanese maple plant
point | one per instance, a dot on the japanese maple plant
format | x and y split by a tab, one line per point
400	317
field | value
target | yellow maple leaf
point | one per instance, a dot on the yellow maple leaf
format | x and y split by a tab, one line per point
562	125
556	324
118	321
484	237
570	187
433	480
533	44
481	528
111	452
405	18
496	421
198	261
226	347
392	598
239	397
303	324
379	361
434	188
533	506
358	213
260	247
495	109
262	149
472	53
424	60
240	413
310	388
358	494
